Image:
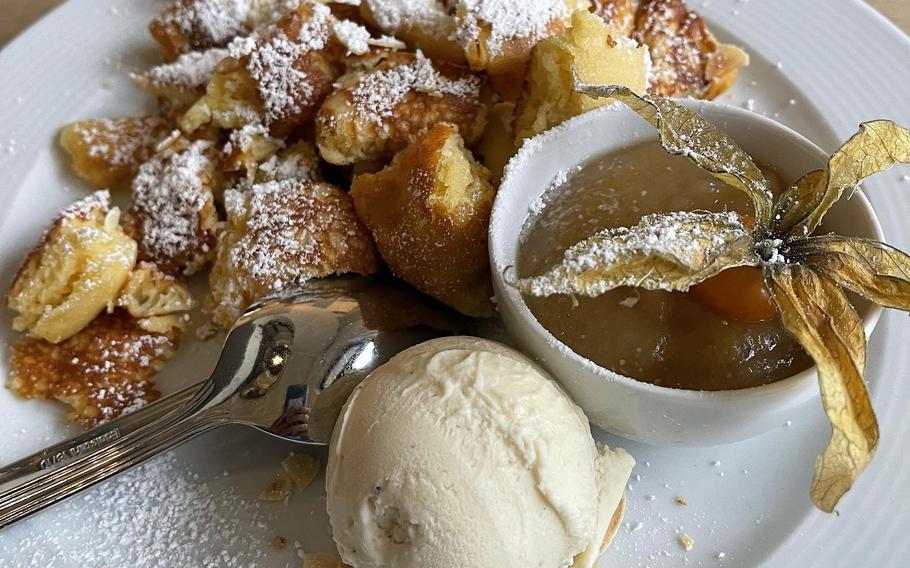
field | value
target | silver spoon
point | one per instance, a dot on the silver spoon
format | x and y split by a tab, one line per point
287	367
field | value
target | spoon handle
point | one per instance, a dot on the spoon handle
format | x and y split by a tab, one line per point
38	481
51	458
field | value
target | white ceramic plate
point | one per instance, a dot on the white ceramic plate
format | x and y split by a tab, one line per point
820	66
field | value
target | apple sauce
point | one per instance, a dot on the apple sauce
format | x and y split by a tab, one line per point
671	339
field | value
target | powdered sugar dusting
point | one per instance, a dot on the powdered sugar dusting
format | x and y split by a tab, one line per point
118	141
157	515
353	36
214	21
695	241
169	193
430	16
100	200
377	94
507	20
190	70
242	138
284	88
275	232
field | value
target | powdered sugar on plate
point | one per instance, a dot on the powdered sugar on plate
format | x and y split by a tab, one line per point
378	93
157	515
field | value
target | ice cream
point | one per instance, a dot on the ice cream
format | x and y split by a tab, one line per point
461	452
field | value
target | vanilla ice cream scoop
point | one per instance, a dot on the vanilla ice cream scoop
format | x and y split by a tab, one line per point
462	452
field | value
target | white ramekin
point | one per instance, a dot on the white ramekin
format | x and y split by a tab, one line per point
621	405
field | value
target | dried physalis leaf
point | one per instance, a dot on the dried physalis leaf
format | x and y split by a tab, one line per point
670	251
876	147
279	489
818	313
685	133
302	469
872	269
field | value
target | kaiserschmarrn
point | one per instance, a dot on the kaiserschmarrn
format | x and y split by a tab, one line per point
376	111
298	139
74	273
280	234
429	211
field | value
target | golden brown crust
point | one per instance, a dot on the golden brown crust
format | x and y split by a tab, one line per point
179	84
191	25
421	26
723	68
682	50
101	372
380	109
618	13
504	54
428	212
107	152
508	66
280	234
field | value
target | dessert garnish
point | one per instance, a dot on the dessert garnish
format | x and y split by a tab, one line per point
806	275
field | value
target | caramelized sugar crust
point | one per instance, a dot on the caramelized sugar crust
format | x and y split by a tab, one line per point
687	59
101	372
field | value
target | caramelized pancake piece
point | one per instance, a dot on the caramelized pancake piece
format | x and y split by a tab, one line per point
497	35
380	110
103	371
278	77
156	300
107	152
172	215
178	84
618	13
74	273
429	212
264	158
280	234
426	25
191	25
598	54
687	59
298	161
249	146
